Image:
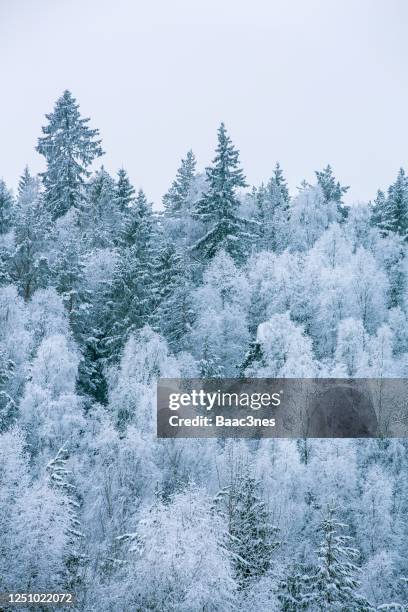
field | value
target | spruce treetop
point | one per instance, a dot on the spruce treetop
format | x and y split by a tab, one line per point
25	180
280	181
125	191
69	146
390	212
223	178
333	191
6	205
219	206
396	217
175	199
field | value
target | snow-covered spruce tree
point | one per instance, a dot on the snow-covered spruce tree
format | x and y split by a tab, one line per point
293	588
91	322
377	207
209	365
390	213
280	182
253	536
84	313
132	298
272	205
124	191
177	222
172	285
8	407
68	270
332	190
334	585
176	199
4	266
138	222
394	258
218	208
59	477
24	180
101	219
29	266
6	206
69	146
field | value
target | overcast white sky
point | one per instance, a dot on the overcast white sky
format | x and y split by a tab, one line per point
305	82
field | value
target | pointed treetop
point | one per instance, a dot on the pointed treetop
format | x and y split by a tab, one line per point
226	161
101	184
390	211
124	190
219	206
281	182
143	206
333	191
69	147
176	199
25	180
6	205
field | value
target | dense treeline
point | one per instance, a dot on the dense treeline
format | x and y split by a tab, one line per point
100	295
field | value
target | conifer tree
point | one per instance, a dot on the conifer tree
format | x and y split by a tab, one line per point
6	205
293	588
218	209
91	371
390	213
101	190
253	536
28	266
101	218
172	285
175	200
5	257
136	222
332	190
133	291
272	205
254	357
8	407
377	208
281	183
334	584
25	180
210	365
59	477
69	146
68	272
124	191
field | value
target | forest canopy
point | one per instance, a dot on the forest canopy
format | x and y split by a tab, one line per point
101	294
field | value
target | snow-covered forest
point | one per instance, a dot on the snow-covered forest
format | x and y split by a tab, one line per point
101	294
